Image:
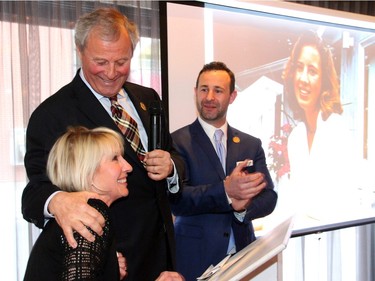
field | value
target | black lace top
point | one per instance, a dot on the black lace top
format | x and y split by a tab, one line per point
53	259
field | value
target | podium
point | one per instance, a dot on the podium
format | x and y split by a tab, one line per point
262	257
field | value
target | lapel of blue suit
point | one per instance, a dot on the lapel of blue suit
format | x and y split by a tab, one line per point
205	143
233	149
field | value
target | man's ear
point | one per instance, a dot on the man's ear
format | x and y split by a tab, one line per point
79	52
233	96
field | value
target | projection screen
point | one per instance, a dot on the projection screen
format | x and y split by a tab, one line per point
332	184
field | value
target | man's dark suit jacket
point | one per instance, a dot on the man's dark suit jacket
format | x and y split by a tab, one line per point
203	216
142	221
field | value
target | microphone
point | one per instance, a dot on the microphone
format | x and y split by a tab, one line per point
155	126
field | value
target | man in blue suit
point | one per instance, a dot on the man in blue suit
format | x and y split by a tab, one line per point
218	202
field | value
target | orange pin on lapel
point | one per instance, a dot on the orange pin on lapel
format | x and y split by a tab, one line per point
143	106
236	139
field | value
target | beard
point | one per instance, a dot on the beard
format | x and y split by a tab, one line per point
210	111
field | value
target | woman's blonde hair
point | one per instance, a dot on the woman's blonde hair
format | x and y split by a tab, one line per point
75	156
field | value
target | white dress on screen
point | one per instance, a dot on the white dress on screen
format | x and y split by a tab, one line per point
321	189
320	178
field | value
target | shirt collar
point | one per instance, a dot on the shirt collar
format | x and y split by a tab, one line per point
97	95
121	95
210	130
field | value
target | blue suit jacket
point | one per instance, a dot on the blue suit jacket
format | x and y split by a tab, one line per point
203	216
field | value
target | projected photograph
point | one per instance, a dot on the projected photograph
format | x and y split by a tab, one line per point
310	107
306	88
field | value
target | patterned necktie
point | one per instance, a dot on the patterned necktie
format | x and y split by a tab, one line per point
220	149
128	127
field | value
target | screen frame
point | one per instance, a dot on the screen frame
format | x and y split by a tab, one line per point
277	8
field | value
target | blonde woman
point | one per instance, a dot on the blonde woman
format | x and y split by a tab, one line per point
83	160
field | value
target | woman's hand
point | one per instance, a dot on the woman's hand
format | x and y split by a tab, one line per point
122	265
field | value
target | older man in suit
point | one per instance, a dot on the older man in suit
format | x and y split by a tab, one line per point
105	41
227	183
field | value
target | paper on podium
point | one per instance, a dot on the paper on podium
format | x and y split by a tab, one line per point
235	267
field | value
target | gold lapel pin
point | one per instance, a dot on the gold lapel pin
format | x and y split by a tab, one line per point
143	106
236	139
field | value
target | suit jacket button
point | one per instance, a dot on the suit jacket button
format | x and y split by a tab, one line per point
226	234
